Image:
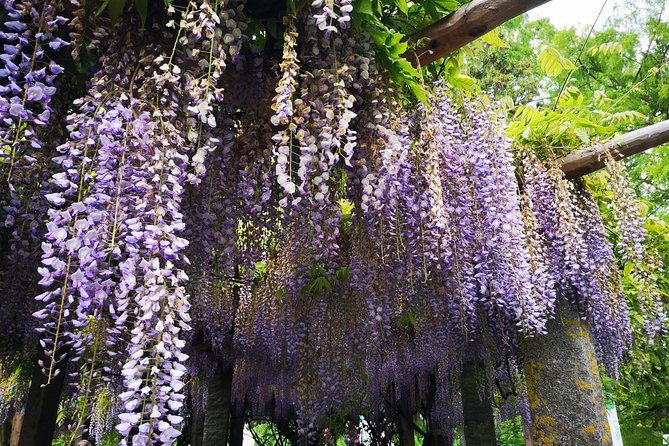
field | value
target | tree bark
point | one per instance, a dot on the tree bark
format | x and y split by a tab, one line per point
587	160
196	425
405	430
41	411
434	435
217	414
237	422
563	384
17	422
465	25
479	420
5	432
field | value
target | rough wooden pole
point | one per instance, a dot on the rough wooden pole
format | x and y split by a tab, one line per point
465	25
237	421
587	160
41	410
479	420
17	422
405	430
196	421
217	414
563	384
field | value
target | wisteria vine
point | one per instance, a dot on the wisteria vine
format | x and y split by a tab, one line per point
285	218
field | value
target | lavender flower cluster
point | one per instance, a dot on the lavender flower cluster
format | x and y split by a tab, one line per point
335	248
28	37
333	15
582	264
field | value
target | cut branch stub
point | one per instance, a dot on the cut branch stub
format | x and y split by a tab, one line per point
465	25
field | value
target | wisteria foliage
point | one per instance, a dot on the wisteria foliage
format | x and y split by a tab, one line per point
289	219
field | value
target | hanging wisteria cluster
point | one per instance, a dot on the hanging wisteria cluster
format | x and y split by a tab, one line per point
288	220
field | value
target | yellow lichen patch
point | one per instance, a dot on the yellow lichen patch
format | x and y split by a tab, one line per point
571	322
594	368
532	370
544	431
583	385
590	429
575	334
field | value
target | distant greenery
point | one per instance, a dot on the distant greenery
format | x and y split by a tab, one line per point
565	89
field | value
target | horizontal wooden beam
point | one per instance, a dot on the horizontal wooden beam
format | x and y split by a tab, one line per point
465	25
587	160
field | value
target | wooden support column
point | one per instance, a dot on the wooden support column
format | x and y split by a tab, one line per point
405	430
237	421
41	411
404	415
479	420
434	435
17	422
563	384
196	424
217	414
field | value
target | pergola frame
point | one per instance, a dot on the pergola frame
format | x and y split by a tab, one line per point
478	17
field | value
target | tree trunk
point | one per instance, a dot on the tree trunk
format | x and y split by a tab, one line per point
41	411
217	414
405	429
434	435
563	384
5	432
196	424
237	427
479	421
17	422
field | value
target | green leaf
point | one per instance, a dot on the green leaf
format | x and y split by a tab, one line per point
492	38
115	9
461	81
142	7
417	90
582	135
102	7
364	7
552	62
402	6
447	5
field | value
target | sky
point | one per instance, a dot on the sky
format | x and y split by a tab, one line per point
577	13
582	13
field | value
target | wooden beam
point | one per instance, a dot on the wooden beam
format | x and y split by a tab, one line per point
587	160
465	25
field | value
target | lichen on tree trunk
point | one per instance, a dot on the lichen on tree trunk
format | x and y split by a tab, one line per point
563	384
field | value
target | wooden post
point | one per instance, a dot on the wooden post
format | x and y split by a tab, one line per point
217	414
237	422
41	411
563	384
585	161
196	424
17	422
465	25
5	432
405	429
479	420
434	435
